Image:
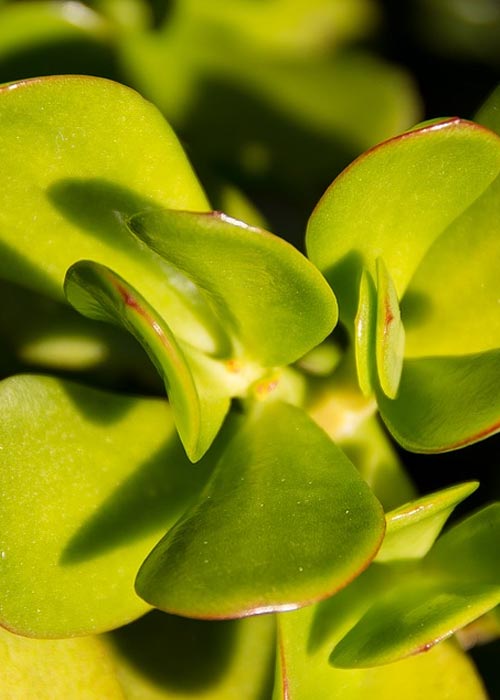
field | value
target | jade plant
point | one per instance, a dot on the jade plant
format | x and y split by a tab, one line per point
186	428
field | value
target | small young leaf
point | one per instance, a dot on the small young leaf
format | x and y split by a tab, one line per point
97	292
285	520
412	529
261	287
89	482
390	334
364	333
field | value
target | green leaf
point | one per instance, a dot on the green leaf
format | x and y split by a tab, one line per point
390	334
89	482
412	617
412	529
97	153
445	402
57	669
261	287
395	201
162	657
304	672
468	551
451	304
364	333
285	520
97	292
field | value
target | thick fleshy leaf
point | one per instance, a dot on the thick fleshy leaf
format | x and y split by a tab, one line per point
304	673
412	529
445	403
259	285
285	520
390	334
469	550
99	293
89	482
57	669
164	657
98	152
451	304
396	200
410	618
364	333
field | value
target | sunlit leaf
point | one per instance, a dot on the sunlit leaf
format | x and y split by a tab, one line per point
390	334
396	200
98	153
57	669
259	285
89	483
412	528
364	333
285	520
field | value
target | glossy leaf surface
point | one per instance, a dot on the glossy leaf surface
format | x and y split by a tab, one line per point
390	334
261	287
98	153
444	672
97	292
285	520
162	657
57	669
364	333
90	481
413	528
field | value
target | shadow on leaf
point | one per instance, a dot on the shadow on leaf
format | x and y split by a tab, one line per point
154	497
